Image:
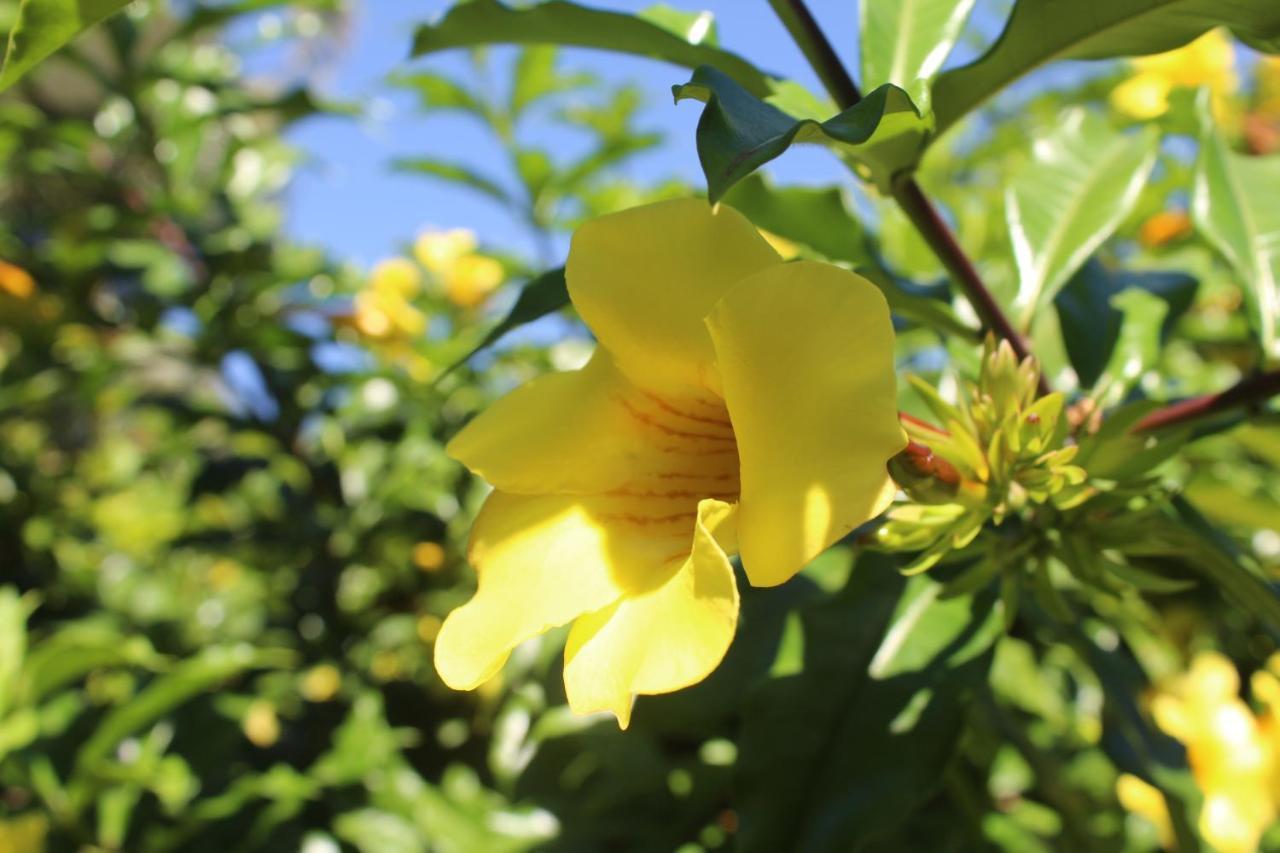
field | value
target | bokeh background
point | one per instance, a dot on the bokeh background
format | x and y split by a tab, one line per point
241	246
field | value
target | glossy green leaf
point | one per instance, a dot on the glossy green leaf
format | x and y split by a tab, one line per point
887	670
738	133
1081	181
1091	323
482	22
44	26
1043	31
1234	206
817	218
905	42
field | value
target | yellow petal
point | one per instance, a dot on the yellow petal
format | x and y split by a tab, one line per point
437	250
542	562
1143	799
592	431
645	278
659	641
806	355
564	432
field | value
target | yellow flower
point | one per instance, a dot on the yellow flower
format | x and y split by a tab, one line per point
321	683
382	309
438	250
1143	799
734	404
467	277
428	556
1207	61
1231	759
16	281
471	279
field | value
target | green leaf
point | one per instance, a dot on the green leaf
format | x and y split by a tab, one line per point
482	22
1042	31
1091	324
1234	206
438	92
845	750
206	670
534	76
76	650
907	41
373	831
817	218
1082	180
1115	452
43	26
738	133
454	173
13	644
544	295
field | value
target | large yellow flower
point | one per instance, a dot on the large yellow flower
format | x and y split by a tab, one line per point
735	403
1207	61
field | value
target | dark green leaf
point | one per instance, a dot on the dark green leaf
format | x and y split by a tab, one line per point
738	133
1042	31
43	26
1082	180
887	671
1091	323
482	22
817	218
545	294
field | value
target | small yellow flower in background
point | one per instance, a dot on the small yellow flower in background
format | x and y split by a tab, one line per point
16	281
734	404
1164	227
428	556
437	250
1207	61
24	833
466	277
1145	800
382	308
261	725
321	683
1231	755
471	280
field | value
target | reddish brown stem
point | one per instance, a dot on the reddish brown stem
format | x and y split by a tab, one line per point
804	29
1252	389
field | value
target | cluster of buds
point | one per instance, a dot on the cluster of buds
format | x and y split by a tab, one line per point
998	452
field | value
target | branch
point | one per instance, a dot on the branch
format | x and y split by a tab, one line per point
813	43
1250	390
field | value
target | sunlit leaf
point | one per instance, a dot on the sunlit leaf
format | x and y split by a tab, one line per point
544	295
1234	206
906	42
481	22
1043	31
43	26
1081	181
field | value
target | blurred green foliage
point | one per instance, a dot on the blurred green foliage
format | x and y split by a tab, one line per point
229	533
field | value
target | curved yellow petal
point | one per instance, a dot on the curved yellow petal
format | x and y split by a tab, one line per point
564	432
542	562
659	641
645	278
805	351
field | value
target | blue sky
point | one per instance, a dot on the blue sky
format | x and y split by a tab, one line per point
346	198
